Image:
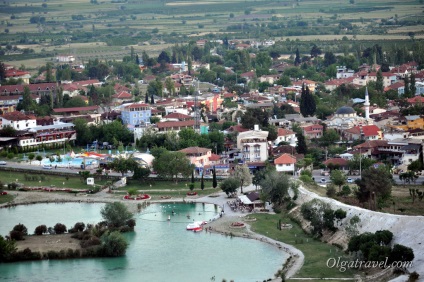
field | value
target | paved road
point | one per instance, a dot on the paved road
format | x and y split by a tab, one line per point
316	174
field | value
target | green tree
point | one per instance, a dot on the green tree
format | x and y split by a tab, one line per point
242	174
123	165
169	85
113	244
7	249
276	186
171	164
307	102
141	173
26	103
75	102
116	214
375	185
329	137
413	87
229	185
407	90
379	82
214	181
301	147
401	253
40	229
338	178
297	60
202	182
59	228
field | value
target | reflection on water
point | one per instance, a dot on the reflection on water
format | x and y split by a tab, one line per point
159	250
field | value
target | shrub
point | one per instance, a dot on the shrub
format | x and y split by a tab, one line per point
52	255
331	191
59	228
345	191
89	242
413	277
39	230
131	223
79	226
290	205
114	245
21	228
16	235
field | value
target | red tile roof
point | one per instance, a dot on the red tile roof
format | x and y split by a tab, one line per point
15	116
195	150
122	95
76	109
371	144
170	124
214	157
178	116
284	132
368	130
416	100
137	105
336	161
285	159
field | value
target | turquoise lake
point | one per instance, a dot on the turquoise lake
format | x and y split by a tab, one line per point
159	250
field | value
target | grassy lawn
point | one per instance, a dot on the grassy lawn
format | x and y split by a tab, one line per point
48	180
158	189
316	252
5	198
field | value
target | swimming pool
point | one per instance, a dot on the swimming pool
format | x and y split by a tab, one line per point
67	161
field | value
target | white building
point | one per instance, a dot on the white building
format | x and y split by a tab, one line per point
285	135
253	145
18	120
65	58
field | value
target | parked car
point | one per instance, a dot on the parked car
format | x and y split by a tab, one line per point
3	163
3	193
47	167
349	180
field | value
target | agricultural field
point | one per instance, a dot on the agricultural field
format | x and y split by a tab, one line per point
107	29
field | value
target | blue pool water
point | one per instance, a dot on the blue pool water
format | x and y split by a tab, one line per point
66	161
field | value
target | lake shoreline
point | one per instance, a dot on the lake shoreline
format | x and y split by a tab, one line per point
218	226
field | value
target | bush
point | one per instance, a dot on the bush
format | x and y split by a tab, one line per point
345	191
89	242
59	228
114	245
16	235
131	223
21	228
290	205
52	255
40	230
26	254
79	226
331	191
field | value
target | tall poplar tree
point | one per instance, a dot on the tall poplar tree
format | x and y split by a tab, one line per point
307	102
407	91
297	58
412	87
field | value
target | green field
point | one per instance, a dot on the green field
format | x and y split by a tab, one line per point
105	29
46	180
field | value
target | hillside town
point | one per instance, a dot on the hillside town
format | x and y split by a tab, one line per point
259	125
324	137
